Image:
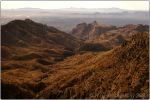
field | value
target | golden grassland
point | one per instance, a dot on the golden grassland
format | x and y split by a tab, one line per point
119	73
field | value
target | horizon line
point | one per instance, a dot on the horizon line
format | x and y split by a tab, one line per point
69	8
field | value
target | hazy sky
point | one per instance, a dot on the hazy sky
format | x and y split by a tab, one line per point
131	5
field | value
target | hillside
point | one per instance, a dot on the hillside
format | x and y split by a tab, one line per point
25	40
40	61
119	73
29	50
26	33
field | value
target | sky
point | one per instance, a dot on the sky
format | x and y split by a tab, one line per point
129	5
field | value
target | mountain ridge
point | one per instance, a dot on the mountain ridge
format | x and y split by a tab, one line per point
40	61
108	75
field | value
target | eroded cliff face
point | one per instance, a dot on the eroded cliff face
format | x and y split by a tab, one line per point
89	31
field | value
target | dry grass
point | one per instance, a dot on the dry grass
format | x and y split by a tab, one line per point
50	69
115	74
118	73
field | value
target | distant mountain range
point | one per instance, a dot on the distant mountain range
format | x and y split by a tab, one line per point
104	10
65	19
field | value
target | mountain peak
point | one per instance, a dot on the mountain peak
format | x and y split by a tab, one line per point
95	23
82	24
28	20
88	31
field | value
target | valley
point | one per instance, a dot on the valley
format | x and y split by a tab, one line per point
92	61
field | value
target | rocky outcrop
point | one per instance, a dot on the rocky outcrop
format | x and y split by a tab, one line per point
89	31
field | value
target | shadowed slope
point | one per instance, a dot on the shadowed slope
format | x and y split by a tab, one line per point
27	40
28	51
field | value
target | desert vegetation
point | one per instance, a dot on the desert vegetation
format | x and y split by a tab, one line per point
100	62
